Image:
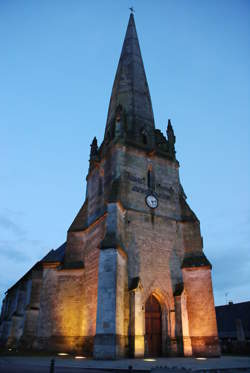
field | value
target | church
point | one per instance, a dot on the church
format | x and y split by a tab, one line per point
132	279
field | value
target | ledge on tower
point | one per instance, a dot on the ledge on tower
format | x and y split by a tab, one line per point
196	261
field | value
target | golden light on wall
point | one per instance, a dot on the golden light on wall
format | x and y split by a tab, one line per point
69	312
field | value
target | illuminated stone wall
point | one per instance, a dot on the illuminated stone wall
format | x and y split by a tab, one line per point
108	247
201	312
67	318
153	242
156	243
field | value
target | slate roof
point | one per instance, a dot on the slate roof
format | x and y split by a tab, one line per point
134	283
80	221
187	214
55	255
196	261
226	319
178	289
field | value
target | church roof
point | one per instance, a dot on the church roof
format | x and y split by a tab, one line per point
134	283
80	221
55	255
130	88
199	260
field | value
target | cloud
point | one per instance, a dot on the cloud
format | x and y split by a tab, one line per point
9	250
8	224
15	245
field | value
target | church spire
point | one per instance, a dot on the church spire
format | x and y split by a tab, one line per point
130	89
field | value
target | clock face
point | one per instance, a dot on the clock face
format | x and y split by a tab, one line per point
152	201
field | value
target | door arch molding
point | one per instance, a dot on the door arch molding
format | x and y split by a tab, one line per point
164	301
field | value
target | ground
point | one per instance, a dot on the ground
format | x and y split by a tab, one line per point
37	364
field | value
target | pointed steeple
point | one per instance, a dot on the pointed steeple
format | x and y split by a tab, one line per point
130	88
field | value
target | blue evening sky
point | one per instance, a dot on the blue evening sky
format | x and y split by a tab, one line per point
58	60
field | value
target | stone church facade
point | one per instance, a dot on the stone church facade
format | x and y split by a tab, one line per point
132	278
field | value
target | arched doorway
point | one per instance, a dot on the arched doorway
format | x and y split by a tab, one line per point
153	327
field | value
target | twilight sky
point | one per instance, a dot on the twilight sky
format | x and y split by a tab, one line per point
58	60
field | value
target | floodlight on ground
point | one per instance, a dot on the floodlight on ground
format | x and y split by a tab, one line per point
80	357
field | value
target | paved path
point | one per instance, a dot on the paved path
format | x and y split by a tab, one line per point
159	365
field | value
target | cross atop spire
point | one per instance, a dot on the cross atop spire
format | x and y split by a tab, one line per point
130	88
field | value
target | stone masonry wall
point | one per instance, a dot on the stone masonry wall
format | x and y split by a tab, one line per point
154	243
67	318
201	311
152	238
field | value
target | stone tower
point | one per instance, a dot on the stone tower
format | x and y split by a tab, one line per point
133	279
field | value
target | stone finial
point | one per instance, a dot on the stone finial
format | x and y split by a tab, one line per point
93	148
170	133
171	139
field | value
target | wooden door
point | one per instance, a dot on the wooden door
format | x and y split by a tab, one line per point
153	327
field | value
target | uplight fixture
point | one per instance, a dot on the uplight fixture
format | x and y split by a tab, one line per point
80	357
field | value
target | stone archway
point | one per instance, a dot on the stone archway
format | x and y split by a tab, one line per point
153	327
